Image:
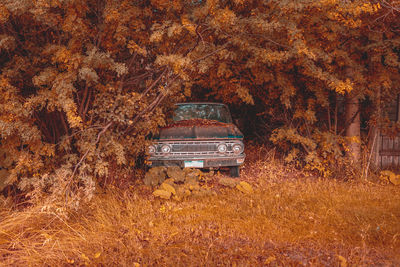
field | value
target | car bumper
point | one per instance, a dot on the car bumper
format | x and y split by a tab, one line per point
197	162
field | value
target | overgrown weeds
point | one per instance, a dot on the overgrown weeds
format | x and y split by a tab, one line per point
288	220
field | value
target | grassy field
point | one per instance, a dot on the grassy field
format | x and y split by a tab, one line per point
289	220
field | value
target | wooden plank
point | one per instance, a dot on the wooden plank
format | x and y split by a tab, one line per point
378	146
398	108
396	143
395	162
385	143
390	143
389	153
384	162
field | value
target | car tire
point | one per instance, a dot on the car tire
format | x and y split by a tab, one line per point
234	171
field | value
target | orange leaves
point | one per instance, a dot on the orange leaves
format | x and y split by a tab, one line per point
111	15
178	63
224	17
161	4
167	4
224	71
135	48
66	58
244	94
75	24
4	14
188	24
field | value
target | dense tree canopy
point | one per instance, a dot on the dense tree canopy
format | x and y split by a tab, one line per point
84	82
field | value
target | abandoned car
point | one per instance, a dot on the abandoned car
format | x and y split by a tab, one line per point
202	135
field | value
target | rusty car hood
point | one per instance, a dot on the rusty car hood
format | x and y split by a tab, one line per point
199	129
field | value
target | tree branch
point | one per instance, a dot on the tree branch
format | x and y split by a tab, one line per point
85	155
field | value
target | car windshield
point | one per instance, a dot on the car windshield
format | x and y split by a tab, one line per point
216	112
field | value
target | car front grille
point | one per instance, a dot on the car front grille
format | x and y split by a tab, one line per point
194	148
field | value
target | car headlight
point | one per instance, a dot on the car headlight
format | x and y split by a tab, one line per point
222	148
237	148
166	149
151	149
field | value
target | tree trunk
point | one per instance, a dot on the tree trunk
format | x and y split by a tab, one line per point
353	127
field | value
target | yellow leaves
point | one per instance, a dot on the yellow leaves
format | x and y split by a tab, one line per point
74	120
315	165
342	87
293	136
389	176
370	7
343	261
353	139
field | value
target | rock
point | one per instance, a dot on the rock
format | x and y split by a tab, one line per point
182	191
395	179
162	194
168	187
230	182
176	173
170	181
155	176
191	180
194	187
192	172
245	187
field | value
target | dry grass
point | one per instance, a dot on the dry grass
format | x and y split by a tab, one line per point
287	221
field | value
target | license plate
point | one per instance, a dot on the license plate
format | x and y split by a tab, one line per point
194	164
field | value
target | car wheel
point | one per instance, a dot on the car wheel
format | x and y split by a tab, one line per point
234	171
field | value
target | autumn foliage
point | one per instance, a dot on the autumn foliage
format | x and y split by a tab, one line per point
83	83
